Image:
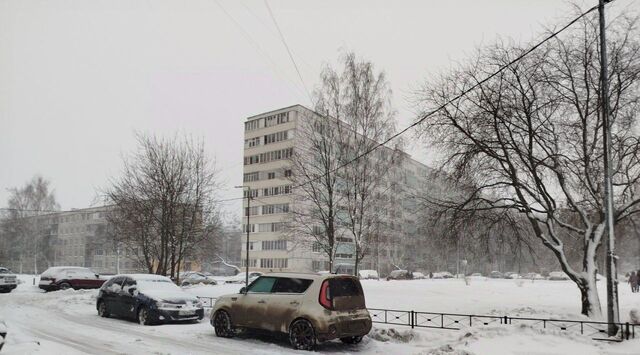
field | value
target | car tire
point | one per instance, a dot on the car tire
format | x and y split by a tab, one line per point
302	336
103	311
222	324
144	318
64	286
352	340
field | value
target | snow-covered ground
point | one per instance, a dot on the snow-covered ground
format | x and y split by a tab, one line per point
66	322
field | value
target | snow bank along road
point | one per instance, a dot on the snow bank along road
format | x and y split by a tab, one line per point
66	322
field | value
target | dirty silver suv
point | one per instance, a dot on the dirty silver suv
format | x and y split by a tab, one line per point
309	308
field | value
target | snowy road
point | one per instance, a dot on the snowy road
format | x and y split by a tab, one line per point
66	322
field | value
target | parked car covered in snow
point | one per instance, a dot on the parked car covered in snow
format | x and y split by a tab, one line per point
418	275
149	299
194	278
310	308
533	276
399	275
496	275
442	275
64	277
8	280
241	277
558	276
512	275
368	274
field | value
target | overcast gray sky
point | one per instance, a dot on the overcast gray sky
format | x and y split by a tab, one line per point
78	77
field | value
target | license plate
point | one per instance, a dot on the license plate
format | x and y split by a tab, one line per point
186	312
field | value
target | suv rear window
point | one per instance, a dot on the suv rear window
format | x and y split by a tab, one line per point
341	287
291	285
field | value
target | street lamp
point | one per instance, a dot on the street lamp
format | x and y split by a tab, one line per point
248	189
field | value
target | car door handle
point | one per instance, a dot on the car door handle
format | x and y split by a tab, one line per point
262	301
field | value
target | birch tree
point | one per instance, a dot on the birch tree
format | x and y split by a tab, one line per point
530	139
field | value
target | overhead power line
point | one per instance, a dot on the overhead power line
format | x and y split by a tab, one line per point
284	42
462	94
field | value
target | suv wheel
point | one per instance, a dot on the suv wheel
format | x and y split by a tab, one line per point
65	286
301	335
352	340
102	310
222	324
143	316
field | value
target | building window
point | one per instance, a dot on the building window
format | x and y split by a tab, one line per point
277	137
252	262
275	155
316	247
251	228
254	193
276	190
252	142
274	263
251	177
254	159
274	245
253	211
99	252
252	125
287	173
277	208
344	256
270	227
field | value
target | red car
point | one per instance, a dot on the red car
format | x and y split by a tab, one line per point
64	277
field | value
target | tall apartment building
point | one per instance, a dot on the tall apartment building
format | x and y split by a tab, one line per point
269	141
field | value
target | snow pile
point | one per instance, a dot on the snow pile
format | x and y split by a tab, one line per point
393	334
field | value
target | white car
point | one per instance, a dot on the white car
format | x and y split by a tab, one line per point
194	278
8	280
418	275
241	277
442	275
533	276
558	276
368	274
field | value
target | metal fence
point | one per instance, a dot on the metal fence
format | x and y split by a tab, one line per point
456	321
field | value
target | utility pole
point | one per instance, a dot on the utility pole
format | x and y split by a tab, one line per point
247	226
613	311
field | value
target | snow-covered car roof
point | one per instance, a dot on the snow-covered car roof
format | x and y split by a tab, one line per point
143	277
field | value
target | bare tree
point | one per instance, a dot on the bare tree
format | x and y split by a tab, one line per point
162	202
529	140
25	235
336	197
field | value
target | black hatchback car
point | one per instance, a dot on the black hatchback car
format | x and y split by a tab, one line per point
149	299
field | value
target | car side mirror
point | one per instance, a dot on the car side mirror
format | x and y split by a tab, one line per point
97	276
243	290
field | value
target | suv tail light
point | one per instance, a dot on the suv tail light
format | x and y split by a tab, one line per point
325	295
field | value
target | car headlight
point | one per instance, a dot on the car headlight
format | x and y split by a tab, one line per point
167	305
198	304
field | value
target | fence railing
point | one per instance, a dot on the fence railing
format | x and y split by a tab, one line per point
457	321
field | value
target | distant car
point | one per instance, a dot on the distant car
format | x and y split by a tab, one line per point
418	275
195	278
8	280
241	277
399	275
533	276
149	299
442	275
368	275
310	308
476	274
496	275
512	275
3	334
64	277
558	276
